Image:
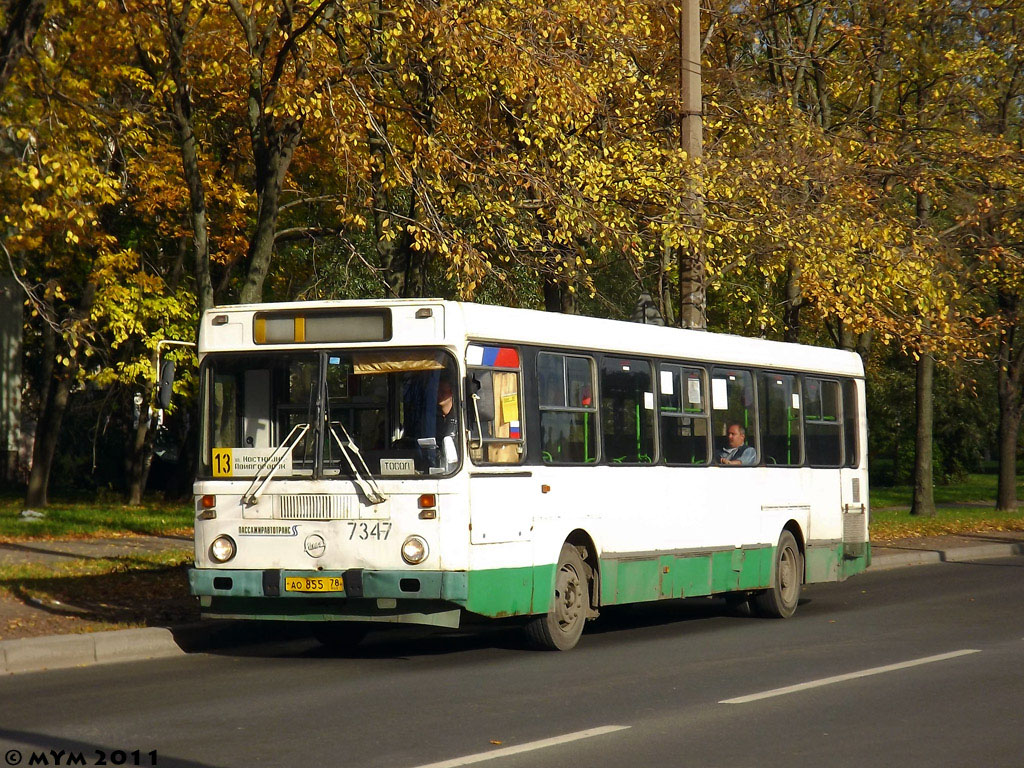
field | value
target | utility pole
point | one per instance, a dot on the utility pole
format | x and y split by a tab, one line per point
692	261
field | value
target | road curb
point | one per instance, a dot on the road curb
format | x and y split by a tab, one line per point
34	654
907	558
37	654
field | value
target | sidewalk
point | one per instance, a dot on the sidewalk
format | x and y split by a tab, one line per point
55	651
946	549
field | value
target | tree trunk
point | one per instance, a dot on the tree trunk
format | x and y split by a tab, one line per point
558	297
923	503
45	445
23	19
924	483
140	456
269	182
665	287
53	407
793	301
1009	432
1010	374
197	204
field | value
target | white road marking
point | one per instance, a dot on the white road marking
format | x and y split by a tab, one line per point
849	676
528	747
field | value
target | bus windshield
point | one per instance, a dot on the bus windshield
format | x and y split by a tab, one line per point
328	413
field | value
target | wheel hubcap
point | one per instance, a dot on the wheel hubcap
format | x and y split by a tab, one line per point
568	594
788	577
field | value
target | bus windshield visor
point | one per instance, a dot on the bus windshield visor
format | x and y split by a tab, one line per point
330	413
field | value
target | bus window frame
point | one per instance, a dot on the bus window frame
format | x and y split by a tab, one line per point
523	441
839	422
753	432
705	414
761	374
457	368
652	368
594	409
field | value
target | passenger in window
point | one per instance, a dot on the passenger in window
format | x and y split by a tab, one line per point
736	452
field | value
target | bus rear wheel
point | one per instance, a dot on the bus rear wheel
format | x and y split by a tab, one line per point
560	628
779	601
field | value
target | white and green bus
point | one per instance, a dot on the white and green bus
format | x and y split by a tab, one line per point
416	461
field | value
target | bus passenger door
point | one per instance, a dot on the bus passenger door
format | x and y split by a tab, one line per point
498	485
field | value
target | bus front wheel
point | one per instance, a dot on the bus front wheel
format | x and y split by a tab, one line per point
779	601
560	628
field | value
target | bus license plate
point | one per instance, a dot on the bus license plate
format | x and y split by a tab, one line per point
314	584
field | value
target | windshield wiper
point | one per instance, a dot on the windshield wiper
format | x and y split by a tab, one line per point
272	463
348	448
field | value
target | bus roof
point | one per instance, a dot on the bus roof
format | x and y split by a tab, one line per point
484	322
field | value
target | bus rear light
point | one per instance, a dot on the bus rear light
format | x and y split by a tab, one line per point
427	500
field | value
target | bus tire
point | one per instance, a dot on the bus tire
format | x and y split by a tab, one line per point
779	601
339	636
560	628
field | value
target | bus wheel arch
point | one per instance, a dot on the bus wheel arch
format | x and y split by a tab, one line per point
584	544
794	528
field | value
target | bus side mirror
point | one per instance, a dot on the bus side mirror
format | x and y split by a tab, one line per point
165	384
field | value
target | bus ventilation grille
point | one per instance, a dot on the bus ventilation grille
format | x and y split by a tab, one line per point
854	528
312	507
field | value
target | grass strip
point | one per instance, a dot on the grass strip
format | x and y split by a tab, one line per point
890	524
87	519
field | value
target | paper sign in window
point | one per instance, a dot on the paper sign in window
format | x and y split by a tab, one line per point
510	407
719	395
693	391
667	385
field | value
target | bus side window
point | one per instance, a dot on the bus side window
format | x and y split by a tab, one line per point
683	408
568	411
627	411
732	400
779	398
822	420
850	424
493	406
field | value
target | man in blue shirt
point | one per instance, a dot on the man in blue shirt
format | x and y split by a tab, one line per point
736	452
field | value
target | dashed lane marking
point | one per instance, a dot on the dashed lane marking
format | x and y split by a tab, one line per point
849	676
528	747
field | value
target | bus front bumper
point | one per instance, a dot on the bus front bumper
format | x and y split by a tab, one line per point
415	597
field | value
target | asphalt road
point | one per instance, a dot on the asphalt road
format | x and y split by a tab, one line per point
678	683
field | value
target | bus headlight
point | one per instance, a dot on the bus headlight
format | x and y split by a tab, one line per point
414	550
222	549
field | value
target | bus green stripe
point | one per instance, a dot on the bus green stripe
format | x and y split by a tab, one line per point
528	590
520	591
